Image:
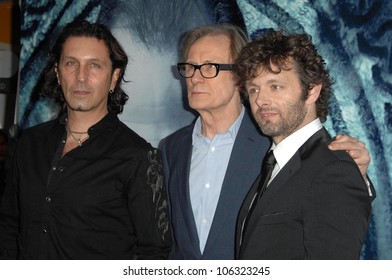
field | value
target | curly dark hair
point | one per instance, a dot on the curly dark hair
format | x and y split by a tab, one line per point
83	28
278	49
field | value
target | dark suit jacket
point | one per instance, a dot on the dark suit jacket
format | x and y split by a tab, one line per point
244	166
317	207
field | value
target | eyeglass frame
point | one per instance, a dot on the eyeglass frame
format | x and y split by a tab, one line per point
218	66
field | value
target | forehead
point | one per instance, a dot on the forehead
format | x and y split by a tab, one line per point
279	67
273	73
211	47
85	47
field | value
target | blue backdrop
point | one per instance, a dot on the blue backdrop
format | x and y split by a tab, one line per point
354	37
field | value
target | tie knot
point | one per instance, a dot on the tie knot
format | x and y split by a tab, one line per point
270	158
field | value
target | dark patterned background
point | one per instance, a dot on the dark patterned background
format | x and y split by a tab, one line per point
354	37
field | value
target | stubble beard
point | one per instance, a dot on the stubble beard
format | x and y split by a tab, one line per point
77	108
287	124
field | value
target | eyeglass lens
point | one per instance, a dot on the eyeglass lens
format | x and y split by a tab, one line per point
207	70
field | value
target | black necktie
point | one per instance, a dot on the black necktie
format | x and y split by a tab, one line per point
266	171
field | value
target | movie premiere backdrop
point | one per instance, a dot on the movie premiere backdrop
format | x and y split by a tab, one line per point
354	37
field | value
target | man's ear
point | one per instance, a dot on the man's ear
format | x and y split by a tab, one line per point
314	94
115	77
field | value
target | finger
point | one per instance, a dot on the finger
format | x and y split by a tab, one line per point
361	158
347	145
345	138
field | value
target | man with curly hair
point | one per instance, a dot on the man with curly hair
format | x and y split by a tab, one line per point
309	202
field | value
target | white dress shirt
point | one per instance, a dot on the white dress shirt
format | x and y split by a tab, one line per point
285	150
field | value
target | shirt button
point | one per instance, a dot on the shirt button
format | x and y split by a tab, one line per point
61	169
208	185
204	221
54	168
48	199
44	230
212	149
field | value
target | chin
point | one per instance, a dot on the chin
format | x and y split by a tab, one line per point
78	108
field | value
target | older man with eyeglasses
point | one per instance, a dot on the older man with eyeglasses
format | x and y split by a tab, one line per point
210	165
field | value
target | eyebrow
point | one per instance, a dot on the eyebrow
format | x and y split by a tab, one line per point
92	59
269	82
251	84
203	62
88	59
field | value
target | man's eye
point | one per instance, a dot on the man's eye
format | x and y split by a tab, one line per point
253	90
276	87
208	67
95	65
70	63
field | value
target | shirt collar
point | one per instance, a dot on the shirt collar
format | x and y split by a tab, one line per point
106	125
232	131
284	151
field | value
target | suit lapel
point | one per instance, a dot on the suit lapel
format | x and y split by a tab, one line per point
294	164
237	177
185	151
291	167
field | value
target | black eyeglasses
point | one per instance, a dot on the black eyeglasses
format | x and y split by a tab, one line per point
207	70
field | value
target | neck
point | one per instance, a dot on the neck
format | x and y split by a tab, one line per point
280	138
218	122
80	122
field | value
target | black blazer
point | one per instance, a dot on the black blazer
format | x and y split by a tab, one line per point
317	207
244	166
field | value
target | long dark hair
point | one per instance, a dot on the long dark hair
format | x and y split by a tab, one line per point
83	28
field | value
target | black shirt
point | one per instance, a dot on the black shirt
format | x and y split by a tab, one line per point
102	200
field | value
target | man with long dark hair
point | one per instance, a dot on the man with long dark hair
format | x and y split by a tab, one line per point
85	186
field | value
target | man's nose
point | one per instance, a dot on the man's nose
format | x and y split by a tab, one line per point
197	77
82	73
262	98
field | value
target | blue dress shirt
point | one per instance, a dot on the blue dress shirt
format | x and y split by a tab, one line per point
210	158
